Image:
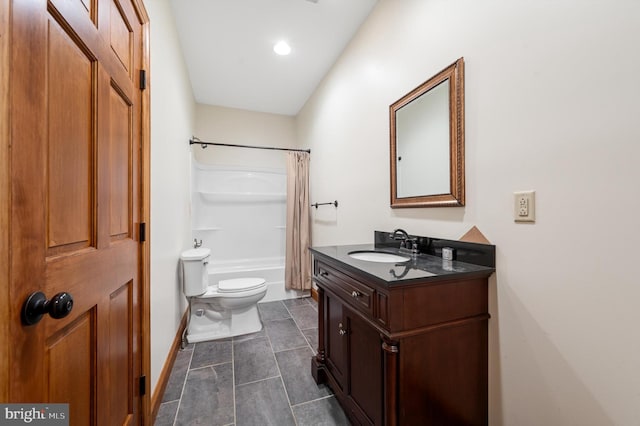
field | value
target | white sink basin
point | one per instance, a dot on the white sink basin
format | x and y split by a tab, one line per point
377	256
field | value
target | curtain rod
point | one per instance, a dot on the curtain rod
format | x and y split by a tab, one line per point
203	144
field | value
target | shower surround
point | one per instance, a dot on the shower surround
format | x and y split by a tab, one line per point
240	214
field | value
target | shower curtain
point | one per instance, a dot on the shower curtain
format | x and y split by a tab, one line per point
297	269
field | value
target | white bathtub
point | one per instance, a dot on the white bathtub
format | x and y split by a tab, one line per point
271	269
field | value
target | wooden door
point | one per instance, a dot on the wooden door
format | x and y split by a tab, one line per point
364	355
77	190
336	339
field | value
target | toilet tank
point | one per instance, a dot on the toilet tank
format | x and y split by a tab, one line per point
195	277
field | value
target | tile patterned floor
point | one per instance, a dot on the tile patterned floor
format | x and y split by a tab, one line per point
258	379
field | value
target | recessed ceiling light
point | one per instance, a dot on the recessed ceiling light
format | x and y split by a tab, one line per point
282	48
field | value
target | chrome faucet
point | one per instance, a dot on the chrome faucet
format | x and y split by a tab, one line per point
197	243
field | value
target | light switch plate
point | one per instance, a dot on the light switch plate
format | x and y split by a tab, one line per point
524	206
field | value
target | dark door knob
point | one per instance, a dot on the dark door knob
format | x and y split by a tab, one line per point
37	305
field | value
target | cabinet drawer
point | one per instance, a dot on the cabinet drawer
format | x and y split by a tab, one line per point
353	292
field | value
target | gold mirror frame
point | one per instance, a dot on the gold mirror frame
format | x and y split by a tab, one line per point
454	73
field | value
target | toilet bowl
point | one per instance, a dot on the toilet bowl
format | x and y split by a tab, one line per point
218	310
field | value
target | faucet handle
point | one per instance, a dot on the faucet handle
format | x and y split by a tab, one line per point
412	243
197	243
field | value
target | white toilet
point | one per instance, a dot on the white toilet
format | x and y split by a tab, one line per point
227	308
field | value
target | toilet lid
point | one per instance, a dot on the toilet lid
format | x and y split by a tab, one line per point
239	284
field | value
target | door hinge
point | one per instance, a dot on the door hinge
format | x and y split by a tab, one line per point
143	232
143	79
143	385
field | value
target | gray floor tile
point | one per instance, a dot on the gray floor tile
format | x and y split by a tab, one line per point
211	353
311	334
208	397
263	403
167	413
253	360
290	303
177	376
273	311
244	337
259	393
284	334
321	412
304	316
295	367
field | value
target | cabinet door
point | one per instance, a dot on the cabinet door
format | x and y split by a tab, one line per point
364	354
336	337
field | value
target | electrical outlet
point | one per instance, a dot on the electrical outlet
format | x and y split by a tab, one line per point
524	206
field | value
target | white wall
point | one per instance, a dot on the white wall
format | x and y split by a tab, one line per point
172	123
552	104
241	127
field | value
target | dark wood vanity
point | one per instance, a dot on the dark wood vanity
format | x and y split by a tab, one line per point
403	349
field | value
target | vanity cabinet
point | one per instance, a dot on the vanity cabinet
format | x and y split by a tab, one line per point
413	352
352	353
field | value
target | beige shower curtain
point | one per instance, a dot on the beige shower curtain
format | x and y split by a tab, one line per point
297	268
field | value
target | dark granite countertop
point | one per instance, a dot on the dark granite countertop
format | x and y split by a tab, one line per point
424	267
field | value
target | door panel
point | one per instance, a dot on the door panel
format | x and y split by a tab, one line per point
121	368
365	368
70	365
335	346
70	141
88	6
121	113
76	195
120	36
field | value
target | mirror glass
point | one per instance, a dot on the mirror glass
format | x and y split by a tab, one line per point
427	142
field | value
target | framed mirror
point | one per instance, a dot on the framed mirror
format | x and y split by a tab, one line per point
427	142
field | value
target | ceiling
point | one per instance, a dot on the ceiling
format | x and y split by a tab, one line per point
228	48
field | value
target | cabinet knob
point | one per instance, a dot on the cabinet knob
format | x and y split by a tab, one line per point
342	331
355	294
324	274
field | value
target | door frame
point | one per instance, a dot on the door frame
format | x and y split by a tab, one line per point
145	214
9	318
5	196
